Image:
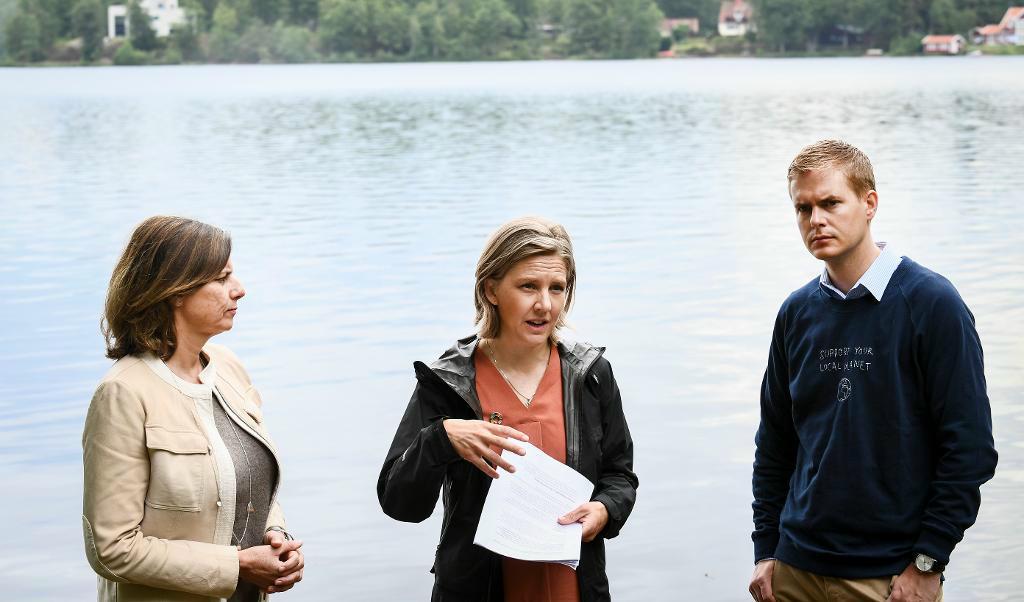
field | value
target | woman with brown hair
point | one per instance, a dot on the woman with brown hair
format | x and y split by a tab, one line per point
180	472
514	380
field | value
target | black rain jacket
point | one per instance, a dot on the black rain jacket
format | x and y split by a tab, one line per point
422	462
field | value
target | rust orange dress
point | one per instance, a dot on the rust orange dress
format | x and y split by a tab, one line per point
544	423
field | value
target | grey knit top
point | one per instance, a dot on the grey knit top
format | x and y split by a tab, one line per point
254	467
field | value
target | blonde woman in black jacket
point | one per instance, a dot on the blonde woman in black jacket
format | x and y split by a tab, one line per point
446	439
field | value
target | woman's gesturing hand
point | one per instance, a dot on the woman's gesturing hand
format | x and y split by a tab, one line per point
593	516
473	440
262	565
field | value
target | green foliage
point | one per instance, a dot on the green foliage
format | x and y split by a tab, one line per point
7	10
128	55
172	56
365	27
89	22
906	45
783	24
787	25
24	39
1003	50
613	28
225	18
268	11
304	12
945	18
41	23
292	44
695	46
185	40
261	43
140	30
705	10
201	11
310	30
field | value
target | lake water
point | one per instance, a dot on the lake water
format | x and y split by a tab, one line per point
359	197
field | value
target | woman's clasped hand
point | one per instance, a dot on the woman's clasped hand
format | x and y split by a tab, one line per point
274	567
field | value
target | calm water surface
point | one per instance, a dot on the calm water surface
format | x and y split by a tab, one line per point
359	197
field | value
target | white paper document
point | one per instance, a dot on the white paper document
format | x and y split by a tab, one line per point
521	512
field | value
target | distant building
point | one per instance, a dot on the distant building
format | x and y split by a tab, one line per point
1009	31
163	16
691	25
989	35
735	18
943	44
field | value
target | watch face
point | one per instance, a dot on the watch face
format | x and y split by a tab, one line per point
924	563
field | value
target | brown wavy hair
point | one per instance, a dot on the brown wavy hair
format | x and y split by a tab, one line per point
511	243
165	259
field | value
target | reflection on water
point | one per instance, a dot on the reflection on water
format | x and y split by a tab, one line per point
359	196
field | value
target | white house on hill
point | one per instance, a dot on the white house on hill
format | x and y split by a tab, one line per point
735	18
163	16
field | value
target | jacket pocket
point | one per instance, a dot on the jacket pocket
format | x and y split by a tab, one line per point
176	462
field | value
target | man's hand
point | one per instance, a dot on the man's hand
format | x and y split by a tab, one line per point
914	586
593	515
473	440
761	583
293	562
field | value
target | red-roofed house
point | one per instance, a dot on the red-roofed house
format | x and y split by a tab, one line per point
943	44
989	35
691	25
1008	31
735	18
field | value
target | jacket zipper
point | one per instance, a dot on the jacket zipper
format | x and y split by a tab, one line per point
573	431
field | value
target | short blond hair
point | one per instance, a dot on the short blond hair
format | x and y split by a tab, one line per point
836	154
511	243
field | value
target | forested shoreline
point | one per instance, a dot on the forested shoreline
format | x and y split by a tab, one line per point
302	31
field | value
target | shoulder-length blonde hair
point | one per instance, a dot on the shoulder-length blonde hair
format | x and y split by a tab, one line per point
511	243
166	258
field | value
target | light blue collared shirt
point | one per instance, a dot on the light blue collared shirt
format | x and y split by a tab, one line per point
874	281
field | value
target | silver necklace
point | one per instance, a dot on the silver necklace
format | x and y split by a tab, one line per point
526	399
249	509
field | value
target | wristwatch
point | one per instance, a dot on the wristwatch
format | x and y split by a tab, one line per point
287	535
927	564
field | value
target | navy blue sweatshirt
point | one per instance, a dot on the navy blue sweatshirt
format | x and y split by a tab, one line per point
876	431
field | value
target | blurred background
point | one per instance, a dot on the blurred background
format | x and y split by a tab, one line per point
359	197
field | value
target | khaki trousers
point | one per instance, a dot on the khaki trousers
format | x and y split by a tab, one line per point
790	584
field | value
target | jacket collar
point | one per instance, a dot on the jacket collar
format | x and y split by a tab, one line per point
200	390
455	366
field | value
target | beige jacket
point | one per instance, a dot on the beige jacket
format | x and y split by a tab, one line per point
159	482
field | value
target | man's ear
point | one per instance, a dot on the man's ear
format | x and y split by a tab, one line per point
871	200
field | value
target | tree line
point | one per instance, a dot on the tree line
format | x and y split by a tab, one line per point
894	25
314	30
318	30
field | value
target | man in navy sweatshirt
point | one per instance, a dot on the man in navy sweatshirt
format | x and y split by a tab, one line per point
876	431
